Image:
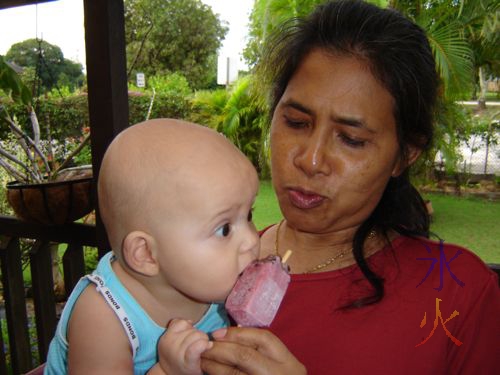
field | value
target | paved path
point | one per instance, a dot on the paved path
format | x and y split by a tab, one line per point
488	104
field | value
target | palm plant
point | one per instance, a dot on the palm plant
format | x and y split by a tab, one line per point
444	24
266	16
240	114
482	25
463	36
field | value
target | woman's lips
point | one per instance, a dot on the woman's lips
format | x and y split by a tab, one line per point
305	200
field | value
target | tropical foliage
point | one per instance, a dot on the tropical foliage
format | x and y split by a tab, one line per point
463	35
239	114
268	14
166	36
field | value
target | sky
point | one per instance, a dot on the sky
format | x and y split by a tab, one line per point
61	23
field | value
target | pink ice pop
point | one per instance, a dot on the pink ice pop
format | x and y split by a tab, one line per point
257	294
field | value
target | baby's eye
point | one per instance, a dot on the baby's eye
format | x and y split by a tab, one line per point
250	215
223	231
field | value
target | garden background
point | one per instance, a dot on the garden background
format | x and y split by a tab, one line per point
459	176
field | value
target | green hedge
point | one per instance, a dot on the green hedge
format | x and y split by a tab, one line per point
165	105
67	116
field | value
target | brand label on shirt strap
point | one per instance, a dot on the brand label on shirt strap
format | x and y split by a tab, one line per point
118	309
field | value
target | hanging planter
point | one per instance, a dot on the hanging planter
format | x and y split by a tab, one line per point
43	191
54	202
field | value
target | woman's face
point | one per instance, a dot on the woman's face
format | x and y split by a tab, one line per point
333	144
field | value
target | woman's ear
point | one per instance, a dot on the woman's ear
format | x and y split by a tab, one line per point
412	155
138	255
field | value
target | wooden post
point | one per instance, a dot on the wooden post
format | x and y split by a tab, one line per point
74	266
107	84
43	295
15	305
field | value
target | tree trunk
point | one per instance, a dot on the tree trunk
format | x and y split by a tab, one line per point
481	103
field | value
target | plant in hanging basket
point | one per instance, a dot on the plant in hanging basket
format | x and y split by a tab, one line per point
52	202
44	190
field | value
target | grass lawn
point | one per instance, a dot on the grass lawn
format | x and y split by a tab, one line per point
266	210
470	222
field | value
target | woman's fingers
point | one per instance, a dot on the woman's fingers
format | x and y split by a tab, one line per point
259	339
227	358
211	367
249	351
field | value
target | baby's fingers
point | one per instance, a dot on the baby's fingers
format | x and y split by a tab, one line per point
179	325
195	345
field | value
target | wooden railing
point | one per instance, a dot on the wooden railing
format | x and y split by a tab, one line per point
44	237
40	261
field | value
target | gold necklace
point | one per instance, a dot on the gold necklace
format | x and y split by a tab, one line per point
322	265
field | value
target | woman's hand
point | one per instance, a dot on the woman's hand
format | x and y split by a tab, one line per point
249	351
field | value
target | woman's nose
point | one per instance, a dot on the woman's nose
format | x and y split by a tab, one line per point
313	157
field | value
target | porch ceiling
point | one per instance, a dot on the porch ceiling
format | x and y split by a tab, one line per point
4	4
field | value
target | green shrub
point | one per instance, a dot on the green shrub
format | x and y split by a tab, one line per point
164	105
170	84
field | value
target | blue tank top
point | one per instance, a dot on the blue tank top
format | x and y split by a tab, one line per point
142	331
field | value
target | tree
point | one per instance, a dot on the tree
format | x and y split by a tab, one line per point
48	62
481	21
166	36
266	16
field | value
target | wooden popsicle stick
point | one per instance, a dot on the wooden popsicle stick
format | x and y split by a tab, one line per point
287	255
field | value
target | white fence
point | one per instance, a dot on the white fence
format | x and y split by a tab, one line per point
480	158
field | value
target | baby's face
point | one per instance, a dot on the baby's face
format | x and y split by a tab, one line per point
207	236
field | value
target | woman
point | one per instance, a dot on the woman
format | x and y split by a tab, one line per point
353	90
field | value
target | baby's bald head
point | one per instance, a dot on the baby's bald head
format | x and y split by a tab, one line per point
147	165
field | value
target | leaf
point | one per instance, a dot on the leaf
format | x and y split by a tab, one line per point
12	85
452	54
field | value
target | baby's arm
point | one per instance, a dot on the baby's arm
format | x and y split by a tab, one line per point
97	342
179	349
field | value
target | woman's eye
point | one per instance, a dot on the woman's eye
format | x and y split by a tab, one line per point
352	142
223	231
250	215
294	123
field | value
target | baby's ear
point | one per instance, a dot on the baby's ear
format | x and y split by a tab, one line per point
137	253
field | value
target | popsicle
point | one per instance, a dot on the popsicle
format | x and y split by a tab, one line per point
257	294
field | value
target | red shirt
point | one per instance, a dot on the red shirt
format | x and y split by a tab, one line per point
382	338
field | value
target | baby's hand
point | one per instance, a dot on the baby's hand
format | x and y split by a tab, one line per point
180	347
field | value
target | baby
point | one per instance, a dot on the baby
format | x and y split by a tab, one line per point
176	200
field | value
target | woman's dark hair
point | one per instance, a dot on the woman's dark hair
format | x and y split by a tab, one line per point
399	56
